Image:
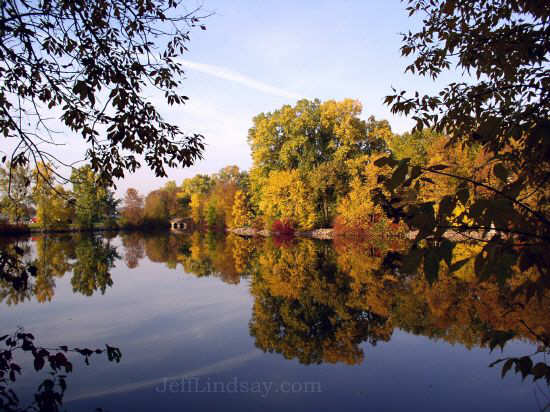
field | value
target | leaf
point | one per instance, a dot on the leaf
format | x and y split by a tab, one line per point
446	206
415	172
463	195
431	266
457	265
501	172
446	251
539	370
525	364
38	363
438	167
398	176
506	367
411	262
381	162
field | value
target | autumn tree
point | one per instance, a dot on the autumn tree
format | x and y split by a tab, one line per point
134	249
54	206
157	207
357	211
240	210
209	198
132	210
503	106
196	208
286	196
16	189
314	140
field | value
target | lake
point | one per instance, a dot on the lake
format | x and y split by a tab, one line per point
207	321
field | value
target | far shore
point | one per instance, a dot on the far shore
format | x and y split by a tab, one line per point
322	233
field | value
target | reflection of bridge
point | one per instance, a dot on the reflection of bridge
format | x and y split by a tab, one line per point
180	223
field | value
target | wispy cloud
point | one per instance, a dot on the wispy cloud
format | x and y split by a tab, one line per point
226	74
214	368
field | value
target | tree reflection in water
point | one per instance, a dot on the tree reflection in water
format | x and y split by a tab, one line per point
316	301
27	274
50	393
319	301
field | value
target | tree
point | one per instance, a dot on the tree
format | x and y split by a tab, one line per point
92	61
285	196
15	184
503	106
93	261
240	211
90	197
317	139
132	211
110	208
196	208
53	204
157	207
357	211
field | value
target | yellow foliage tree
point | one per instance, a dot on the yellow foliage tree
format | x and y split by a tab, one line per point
286	196
196	208
240	212
356	210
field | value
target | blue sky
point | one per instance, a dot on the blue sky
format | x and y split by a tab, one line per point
256	56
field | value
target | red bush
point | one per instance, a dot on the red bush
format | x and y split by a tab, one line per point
283	227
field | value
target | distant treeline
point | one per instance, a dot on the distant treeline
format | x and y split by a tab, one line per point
313	166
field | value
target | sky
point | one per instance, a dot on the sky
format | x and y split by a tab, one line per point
256	56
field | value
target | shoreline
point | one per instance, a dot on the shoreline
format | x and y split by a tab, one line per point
30	231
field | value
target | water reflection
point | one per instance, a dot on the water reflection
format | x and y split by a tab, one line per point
317	302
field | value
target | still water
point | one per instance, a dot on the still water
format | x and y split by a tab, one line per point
206	322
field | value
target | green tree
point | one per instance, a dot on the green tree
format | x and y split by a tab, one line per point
90	197
91	270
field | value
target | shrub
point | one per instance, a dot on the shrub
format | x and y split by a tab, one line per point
283	227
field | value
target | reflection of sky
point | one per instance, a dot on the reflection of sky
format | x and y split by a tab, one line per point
170	324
